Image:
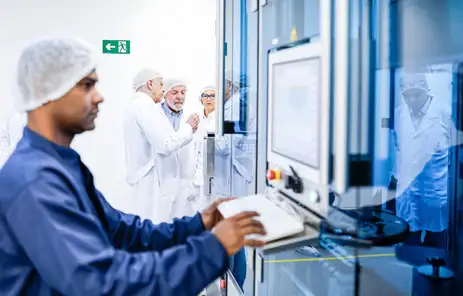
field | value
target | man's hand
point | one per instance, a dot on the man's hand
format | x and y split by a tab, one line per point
211	215
193	121
232	232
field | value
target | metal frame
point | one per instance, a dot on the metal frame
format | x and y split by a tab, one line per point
300	53
340	96
326	37
220	61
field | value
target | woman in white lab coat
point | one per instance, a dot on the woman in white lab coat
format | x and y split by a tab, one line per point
153	151
206	124
10	134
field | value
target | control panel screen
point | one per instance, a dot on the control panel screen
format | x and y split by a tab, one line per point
295	110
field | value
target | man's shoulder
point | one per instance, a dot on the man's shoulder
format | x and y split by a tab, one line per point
24	167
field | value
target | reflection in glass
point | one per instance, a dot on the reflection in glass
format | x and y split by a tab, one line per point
421	138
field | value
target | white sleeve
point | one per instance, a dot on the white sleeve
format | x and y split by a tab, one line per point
164	143
222	144
4	142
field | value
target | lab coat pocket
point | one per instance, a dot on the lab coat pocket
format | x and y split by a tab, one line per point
168	190
168	187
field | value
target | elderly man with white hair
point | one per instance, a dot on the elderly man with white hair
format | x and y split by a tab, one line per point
152	146
59	235
178	193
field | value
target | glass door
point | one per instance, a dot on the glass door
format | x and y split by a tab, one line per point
322	269
405	118
236	134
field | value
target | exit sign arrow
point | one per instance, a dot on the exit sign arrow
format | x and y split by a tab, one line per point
109	46
116	46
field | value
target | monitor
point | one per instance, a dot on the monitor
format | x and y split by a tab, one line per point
296	111
298	139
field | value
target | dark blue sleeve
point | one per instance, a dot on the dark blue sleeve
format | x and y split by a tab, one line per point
73	254
130	233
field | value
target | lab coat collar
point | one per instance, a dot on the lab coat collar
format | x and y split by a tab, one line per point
37	140
430	111
204	114
140	94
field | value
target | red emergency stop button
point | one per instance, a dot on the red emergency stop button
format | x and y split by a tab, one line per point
273	175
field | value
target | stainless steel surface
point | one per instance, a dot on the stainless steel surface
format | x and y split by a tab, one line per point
254	5
340	100
309	236
261	162
220	36
209	163
232	286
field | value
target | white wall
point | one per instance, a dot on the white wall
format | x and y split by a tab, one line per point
177	37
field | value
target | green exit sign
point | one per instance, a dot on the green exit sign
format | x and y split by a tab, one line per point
116	46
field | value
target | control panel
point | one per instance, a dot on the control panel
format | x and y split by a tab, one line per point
290	183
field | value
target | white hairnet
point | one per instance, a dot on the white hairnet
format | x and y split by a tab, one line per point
204	90
170	83
50	68
142	77
415	81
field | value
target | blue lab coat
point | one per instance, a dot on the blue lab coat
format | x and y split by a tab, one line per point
58	235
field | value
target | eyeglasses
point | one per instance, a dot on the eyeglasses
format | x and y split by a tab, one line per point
210	97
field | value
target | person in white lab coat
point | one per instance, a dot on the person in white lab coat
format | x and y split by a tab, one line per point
148	147
169	174
234	165
10	134
206	124
180	191
422	136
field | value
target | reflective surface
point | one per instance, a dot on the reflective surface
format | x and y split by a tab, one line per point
405	115
235	156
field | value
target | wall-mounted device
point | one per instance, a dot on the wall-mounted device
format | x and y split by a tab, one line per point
298	147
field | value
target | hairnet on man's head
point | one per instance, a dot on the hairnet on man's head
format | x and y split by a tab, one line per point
143	76
410	81
48	69
171	83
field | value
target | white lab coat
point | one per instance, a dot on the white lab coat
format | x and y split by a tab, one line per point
159	160
10	134
206	124
234	165
422	159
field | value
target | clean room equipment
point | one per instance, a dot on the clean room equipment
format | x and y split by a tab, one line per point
276	220
369	46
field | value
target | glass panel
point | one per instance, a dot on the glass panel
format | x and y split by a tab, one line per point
416	106
235	159
413	116
311	270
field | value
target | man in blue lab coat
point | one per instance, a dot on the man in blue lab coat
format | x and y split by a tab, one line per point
58	235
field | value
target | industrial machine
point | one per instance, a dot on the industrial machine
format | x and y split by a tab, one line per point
325	89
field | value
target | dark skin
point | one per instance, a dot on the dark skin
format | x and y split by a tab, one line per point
74	113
